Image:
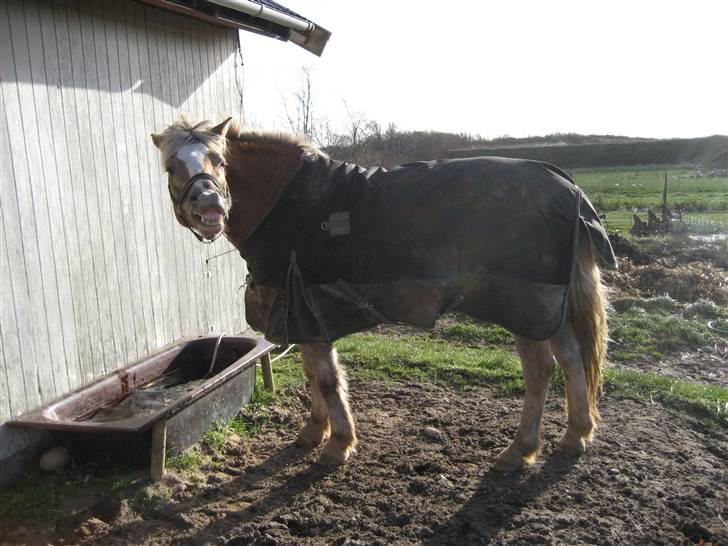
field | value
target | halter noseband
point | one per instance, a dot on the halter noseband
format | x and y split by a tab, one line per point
177	201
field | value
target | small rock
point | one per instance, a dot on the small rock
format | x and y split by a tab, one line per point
443	481
54	459
433	434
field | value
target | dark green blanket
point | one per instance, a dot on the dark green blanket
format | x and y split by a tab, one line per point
346	248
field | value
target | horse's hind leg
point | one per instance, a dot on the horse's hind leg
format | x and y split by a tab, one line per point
329	396
537	362
580	423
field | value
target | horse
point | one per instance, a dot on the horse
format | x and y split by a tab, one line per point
333	248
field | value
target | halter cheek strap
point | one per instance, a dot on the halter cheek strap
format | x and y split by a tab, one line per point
177	201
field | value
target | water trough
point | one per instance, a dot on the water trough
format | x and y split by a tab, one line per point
159	405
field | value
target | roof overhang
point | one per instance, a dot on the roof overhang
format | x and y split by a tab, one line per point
260	16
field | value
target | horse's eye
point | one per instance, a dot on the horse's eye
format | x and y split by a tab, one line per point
170	171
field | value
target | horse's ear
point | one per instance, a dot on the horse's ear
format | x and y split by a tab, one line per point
157	139
222	129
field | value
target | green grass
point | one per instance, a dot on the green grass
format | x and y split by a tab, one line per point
472	332
656	327
418	358
187	460
618	188
710	401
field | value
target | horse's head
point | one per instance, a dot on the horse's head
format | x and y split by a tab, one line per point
194	157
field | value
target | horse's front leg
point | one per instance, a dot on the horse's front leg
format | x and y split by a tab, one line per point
329	405
537	362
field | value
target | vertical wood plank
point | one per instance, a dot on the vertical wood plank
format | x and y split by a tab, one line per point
146	168
121	189
9	350
169	273
190	105
112	328
119	286
70	283
59	306
79	240
145	321
88	216
169	56
28	287
11	320
176	271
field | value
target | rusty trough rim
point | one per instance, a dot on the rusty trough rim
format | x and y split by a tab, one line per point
37	418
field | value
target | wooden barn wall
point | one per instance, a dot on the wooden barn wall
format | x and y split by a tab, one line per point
94	270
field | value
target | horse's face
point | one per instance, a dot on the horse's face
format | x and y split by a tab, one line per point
197	184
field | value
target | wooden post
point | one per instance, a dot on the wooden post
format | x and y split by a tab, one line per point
268	381
159	449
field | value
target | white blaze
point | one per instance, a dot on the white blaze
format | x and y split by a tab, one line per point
193	156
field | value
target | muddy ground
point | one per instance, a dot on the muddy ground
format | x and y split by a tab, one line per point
422	475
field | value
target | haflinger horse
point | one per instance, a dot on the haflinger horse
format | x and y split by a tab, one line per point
334	248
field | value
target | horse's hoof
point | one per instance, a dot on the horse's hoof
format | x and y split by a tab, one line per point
335	454
509	461
311	436
572	444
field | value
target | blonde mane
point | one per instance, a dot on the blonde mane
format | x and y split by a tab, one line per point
186	131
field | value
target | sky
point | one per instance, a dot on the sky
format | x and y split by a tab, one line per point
639	68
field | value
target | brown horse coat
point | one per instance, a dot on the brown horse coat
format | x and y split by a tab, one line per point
346	248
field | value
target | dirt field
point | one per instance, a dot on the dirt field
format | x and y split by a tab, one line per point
422	475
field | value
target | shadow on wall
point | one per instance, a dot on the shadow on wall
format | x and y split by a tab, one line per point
118	47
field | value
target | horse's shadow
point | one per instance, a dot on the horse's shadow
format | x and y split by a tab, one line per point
499	499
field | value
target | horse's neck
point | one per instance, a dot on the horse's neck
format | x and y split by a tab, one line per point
256	179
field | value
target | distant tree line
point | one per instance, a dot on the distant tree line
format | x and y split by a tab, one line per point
366	142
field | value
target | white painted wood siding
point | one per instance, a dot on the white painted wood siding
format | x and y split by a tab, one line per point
94	270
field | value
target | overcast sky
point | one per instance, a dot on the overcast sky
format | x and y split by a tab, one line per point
636	67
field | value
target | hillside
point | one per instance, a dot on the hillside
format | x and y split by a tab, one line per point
707	152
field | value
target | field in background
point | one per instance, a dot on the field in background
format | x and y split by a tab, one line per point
620	192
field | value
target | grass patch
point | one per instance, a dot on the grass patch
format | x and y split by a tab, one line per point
710	401
625	188
472	332
187	460
417	358
654	327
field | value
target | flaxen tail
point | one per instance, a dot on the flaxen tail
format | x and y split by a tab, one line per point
588	318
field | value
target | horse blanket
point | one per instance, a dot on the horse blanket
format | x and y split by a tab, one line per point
346	248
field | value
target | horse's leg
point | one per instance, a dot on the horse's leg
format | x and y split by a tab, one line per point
317	428
537	362
321	363
566	347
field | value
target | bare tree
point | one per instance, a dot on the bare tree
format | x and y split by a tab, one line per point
300	114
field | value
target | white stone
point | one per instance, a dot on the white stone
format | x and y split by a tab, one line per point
54	459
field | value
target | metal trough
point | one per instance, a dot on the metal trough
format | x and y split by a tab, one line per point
165	402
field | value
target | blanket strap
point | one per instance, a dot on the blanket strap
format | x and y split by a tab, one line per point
471	283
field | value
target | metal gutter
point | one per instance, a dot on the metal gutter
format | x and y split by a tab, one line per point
264	12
